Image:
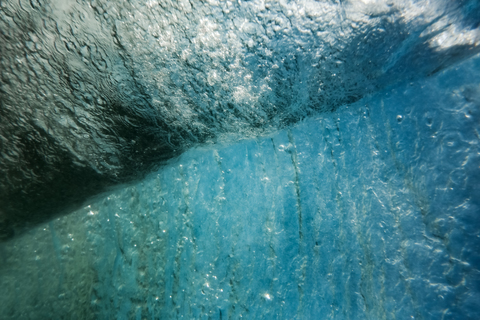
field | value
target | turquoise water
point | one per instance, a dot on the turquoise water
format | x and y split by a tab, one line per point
338	182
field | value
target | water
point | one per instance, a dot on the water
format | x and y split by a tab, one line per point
295	160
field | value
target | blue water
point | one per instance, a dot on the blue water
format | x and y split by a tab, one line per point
370	212
355	197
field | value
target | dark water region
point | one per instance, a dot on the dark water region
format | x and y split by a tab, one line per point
228	159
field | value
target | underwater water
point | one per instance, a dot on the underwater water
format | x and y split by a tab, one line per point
249	159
